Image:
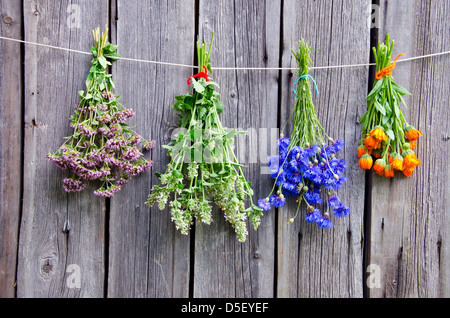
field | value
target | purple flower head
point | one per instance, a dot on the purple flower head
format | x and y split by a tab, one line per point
73	185
149	145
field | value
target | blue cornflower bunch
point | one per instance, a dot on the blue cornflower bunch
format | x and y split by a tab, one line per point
306	166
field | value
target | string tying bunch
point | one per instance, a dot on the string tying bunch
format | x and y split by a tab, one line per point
199	75
305	76
388	70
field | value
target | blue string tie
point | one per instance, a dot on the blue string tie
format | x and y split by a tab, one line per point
305	76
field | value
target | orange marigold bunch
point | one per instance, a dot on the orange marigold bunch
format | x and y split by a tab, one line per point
387	140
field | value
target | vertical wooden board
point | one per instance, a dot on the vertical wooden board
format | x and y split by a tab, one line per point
409	222
246	34
314	262
10	142
147	256
51	263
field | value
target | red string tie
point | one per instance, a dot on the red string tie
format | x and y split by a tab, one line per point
199	75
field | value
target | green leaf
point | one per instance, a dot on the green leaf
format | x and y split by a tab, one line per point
167	147
113	56
375	89
103	62
89	81
387	107
234	132
199	88
81	94
399	89
177	174
397	110
110	48
219	106
380	108
94	51
390	134
202	112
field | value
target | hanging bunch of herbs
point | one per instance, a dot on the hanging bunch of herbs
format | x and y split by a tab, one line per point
102	147
387	140
307	167
203	167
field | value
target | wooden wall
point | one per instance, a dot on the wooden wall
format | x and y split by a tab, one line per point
396	235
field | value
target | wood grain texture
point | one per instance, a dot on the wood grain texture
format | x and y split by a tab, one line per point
409	222
123	248
10	142
246	33
148	256
314	262
52	80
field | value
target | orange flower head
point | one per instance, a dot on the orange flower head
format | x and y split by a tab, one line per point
408	172
379	166
366	162
410	160
361	151
377	153
412	145
379	134
372	143
412	134
397	161
389	171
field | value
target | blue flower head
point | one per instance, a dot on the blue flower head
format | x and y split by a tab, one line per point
341	211
313	216
283	144
264	204
277	201
313	197
324	222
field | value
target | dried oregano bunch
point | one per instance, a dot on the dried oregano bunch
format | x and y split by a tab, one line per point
203	166
102	147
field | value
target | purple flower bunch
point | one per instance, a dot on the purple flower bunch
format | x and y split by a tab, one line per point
102	147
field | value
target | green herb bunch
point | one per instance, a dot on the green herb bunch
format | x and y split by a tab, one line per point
203	167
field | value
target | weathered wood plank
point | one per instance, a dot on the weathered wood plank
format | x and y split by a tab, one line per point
246	33
314	262
10	142
409	222
148	257
52	80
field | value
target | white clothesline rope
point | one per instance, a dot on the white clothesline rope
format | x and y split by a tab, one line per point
222	68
